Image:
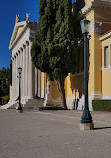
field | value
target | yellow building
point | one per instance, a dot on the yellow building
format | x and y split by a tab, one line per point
98	12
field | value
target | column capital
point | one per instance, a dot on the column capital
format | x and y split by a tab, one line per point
24	46
21	48
12	58
18	51
16	54
27	42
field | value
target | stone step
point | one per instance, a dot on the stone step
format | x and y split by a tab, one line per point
33	103
13	106
30	104
36	100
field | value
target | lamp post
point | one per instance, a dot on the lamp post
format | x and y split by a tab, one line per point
19	108
86	119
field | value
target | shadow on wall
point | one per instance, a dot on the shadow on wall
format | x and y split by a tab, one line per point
77	80
77	88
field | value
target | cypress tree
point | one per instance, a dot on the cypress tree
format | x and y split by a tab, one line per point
54	45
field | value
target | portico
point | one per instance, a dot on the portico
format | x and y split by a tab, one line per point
20	45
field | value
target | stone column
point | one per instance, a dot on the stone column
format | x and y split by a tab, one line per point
15	77
18	59
39	83
21	65
14	74
44	84
17	84
12	78
18	65
30	71
27	69
24	58
35	81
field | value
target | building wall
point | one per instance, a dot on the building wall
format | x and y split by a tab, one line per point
42	85
97	79
54	91
10	92
106	72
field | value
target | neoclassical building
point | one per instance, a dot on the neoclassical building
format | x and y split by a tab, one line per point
34	82
20	45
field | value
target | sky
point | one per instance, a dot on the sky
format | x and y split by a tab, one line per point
8	11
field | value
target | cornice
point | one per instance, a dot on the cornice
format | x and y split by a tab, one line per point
103	19
26	25
18	37
96	5
105	36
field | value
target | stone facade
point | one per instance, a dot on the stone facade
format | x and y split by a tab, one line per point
20	45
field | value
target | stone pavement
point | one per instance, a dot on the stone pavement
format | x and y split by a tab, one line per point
53	134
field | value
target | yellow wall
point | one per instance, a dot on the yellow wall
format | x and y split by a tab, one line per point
106	72
42	81
87	1
10	92
75	85
54	90
94	58
106	80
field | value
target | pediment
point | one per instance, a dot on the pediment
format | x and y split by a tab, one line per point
17	31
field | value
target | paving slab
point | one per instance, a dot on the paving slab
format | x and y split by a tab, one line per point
53	134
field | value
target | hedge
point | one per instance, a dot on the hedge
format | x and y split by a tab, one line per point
101	105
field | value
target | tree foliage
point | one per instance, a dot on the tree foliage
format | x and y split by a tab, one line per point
54	45
5	81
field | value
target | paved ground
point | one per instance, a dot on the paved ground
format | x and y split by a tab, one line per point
53	134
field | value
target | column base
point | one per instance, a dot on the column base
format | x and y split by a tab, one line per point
86	126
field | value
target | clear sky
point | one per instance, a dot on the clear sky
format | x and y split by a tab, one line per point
8	11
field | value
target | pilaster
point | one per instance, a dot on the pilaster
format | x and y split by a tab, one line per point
30	71
27	68
24	59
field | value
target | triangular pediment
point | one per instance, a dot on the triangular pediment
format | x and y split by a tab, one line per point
17	31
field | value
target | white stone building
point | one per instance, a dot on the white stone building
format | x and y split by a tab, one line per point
20	45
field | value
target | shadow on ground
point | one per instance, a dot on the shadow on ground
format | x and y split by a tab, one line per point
101	128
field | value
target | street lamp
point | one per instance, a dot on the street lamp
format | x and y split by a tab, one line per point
86	119
19	108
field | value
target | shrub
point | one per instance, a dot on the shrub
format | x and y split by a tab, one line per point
5	99
101	105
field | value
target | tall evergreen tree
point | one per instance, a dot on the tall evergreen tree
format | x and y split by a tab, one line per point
63	59
55	42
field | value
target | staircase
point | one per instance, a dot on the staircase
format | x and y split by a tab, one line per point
9	104
33	104
30	105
